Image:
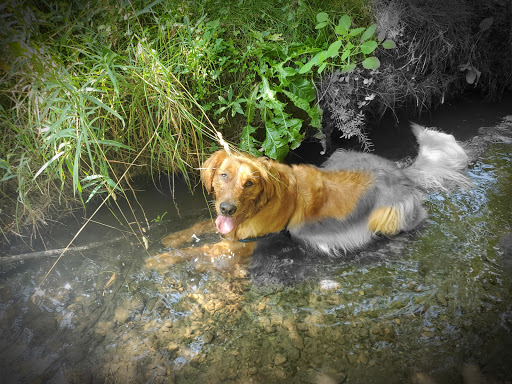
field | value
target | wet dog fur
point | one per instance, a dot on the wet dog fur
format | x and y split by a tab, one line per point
334	208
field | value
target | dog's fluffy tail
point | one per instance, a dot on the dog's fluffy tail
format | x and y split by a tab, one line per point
441	161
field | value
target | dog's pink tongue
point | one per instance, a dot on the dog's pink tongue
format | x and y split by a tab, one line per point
224	224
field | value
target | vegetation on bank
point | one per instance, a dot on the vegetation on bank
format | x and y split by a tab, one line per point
94	93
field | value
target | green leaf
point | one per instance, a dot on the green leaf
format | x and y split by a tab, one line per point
321	25
63	115
94	192
247	142
7	176
345	22
368	47
55	157
275	146
5	165
148	8
369	32
340	30
348	68
292	128
388	44
320	57
115	144
356	31
321	68
236	109
315	113
297	101
76	162
268	94
314	60
250	106
112	184
333	49
346	53
307	67
303	88
371	63
104	106
289	129
92	179
285	72
322	17
219	111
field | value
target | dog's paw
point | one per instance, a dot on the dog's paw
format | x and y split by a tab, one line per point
164	260
174	240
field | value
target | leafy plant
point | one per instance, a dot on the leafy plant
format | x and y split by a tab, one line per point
80	108
271	87
230	104
350	46
280	87
286	80
159	218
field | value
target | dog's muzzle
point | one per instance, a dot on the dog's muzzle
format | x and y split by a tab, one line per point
227	209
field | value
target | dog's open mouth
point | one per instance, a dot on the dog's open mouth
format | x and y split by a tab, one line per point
225	224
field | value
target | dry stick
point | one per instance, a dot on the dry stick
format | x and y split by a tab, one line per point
54	252
223	143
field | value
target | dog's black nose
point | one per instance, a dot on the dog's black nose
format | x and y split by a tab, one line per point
227	209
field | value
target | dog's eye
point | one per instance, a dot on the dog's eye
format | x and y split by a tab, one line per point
248	184
224	176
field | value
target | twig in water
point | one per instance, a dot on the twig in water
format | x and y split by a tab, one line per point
55	252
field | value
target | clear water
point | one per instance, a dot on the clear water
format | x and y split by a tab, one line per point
432	304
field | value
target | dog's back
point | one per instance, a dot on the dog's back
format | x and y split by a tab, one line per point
394	201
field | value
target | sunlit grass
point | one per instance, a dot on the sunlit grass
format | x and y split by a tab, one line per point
76	114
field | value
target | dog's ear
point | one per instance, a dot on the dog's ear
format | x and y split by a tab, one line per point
209	168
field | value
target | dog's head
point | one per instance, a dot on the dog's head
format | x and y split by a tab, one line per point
241	185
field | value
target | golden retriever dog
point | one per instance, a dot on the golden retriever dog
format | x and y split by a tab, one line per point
334	208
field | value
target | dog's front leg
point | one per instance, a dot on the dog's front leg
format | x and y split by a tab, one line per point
174	240
237	251
231	251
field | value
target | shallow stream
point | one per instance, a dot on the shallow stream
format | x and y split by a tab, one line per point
431	306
